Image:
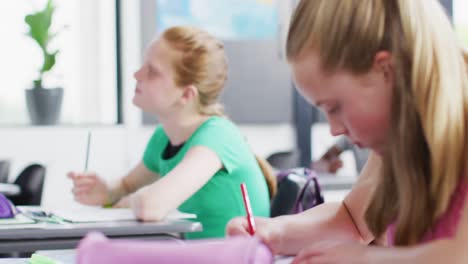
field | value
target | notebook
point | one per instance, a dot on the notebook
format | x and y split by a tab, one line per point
99	214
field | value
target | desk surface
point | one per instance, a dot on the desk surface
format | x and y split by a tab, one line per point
46	236
334	182
9	189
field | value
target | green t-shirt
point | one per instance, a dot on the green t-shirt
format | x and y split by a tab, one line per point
220	199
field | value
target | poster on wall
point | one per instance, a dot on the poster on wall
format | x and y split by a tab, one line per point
226	19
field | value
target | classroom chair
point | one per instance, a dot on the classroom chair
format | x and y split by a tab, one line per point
284	160
31	182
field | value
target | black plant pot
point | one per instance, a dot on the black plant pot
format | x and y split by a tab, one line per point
44	105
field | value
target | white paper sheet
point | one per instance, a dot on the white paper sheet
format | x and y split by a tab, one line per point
98	214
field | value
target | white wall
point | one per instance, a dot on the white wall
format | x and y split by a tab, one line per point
61	150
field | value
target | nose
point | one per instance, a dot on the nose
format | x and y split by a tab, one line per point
138	75
337	128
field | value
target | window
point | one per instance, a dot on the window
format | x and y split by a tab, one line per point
86	63
461	19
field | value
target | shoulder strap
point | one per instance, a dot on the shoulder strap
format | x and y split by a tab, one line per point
311	177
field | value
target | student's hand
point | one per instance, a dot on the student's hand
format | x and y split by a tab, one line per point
327	165
333	253
89	189
330	162
265	230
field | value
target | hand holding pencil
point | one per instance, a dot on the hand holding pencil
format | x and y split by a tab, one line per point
89	188
266	229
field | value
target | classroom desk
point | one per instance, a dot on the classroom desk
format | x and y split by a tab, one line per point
278	260
334	182
334	195
68	257
9	189
47	236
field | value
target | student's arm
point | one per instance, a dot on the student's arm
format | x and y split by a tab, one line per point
138	177
90	189
356	202
332	222
155	201
440	251
435	252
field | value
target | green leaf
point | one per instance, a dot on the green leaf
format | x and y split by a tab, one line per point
39	30
49	61
39	25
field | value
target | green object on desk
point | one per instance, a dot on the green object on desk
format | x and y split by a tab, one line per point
40	259
42	216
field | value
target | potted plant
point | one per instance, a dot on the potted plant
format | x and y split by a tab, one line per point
44	104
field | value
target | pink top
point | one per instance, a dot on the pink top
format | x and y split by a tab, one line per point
447	225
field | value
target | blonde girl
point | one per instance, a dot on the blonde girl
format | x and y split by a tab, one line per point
391	76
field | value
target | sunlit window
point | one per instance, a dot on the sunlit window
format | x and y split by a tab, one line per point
85	65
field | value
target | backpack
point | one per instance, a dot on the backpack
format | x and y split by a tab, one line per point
298	190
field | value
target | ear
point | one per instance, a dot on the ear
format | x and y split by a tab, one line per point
189	93
383	63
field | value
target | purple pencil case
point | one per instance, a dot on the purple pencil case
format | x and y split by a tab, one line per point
7	209
96	248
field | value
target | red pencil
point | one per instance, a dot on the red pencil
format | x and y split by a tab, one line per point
248	209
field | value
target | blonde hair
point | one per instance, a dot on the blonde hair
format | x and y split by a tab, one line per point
427	147
201	62
269	174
